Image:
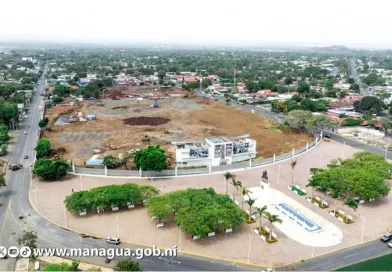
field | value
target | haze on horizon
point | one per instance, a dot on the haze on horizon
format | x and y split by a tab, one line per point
205	22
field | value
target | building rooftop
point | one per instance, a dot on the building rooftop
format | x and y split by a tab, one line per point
217	140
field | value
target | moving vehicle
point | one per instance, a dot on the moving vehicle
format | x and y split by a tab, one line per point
25	132
25	157
113	240
390	244
386	238
107	260
39	108
15	167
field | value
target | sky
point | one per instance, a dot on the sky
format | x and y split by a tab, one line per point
353	23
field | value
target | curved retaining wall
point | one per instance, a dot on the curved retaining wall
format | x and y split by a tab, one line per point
177	172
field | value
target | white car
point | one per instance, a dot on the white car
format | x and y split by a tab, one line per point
390	244
113	240
268	270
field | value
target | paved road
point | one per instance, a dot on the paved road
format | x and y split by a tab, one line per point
16	202
363	88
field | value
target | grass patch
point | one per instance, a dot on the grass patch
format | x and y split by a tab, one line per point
383	263
344	217
263	232
319	203
275	127
246	217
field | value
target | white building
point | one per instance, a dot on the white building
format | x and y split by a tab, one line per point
215	151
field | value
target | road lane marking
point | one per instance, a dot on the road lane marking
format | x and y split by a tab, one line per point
351	255
314	267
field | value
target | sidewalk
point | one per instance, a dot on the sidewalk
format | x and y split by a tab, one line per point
82	266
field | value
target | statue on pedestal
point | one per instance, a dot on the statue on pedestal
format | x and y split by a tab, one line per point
264	179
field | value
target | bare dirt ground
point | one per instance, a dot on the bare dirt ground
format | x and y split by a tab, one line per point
191	119
49	199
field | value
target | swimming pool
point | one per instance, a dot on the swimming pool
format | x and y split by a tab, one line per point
300	219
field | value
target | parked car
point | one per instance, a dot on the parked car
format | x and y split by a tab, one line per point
107	260
386	238
113	240
268	270
390	244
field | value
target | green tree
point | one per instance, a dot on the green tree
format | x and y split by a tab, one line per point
354	87
370	105
227	176
43	122
29	239
50	170
3	149
152	158
158	207
127	265
250	201
236	184
4	134
110	162
298	118
320	122
2	181
43	147
245	192
293	164
260	212
272	218
352	203
303	88
62	266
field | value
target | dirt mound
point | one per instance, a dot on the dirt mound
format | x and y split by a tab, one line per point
146	121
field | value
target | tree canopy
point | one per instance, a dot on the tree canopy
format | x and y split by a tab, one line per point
197	211
151	158
49	169
108	196
362	176
370	105
43	147
127	265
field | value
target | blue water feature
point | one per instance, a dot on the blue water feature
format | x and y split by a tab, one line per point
301	220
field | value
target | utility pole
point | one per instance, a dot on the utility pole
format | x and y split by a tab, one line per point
201	85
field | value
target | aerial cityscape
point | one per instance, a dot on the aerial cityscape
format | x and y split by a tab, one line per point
225	141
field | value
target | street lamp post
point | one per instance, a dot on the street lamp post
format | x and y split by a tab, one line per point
279	173
363	227
386	151
321	155
65	216
179	244
344	146
118	233
35	197
250	235
81	184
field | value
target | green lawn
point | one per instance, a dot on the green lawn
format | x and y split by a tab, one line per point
383	263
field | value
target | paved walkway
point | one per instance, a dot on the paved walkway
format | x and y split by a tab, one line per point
137	227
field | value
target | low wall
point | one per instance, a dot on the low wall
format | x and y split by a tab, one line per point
199	171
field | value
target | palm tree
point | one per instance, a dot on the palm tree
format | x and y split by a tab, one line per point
245	191
260	212
272	218
292	164
236	184
227	176
352	203
250	203
312	183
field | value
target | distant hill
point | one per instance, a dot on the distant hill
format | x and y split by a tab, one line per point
334	49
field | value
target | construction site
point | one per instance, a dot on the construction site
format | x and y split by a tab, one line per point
128	121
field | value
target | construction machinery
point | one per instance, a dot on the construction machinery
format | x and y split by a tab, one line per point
166	131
